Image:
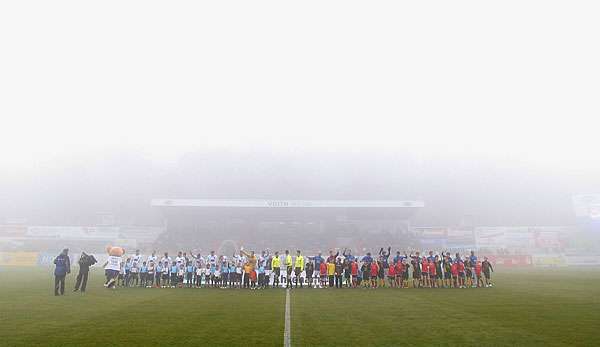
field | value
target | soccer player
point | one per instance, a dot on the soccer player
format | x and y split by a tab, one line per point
438	269
166	279
137	257
180	259
473	263
381	271
332	257
478	274
384	263
323	270
487	269
276	265
288	268
331	272
416	274
347	275
127	272
261	275
232	275
143	274
150	275
374	270
217	276
152	258
298	267
224	272
166	265
405	272
454	270
339	272
447	267
399	271
392	275
173	272
354	272
461	274
309	270
247	271
366	272
135	271
157	274
469	273
189	274
425	272
432	273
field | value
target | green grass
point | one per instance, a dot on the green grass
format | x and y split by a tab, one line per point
541	307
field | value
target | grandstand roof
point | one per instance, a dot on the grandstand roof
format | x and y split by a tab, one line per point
275	203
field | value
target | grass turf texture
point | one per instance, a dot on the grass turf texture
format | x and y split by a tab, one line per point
540	307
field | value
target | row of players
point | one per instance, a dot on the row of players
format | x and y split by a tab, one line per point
250	271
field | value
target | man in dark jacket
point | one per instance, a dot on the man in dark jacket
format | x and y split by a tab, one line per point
63	267
85	261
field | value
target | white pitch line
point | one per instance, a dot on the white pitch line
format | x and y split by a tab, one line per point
287	331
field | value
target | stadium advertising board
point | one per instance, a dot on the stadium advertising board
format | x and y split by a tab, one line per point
432	237
13	230
548	260
506	237
511	260
458	238
587	206
73	233
18	258
582	260
490	237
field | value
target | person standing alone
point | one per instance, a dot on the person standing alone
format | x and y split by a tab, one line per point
85	261
63	267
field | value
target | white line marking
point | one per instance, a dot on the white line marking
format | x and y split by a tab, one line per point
286	333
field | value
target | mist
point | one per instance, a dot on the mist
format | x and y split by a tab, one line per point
485	112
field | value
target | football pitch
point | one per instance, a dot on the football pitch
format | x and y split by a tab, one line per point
537	307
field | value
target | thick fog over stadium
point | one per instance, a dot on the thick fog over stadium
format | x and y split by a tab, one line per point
299	173
487	118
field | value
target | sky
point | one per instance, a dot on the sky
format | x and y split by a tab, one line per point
511	80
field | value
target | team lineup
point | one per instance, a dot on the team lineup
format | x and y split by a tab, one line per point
248	270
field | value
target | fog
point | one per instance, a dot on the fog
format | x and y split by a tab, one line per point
485	112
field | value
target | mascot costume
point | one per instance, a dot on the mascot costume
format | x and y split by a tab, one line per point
113	265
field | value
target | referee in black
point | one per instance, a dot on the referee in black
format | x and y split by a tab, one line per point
85	261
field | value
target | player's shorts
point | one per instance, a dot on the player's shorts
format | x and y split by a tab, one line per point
391	278
416	275
110	274
487	275
297	271
425	274
447	275
461	274
277	271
